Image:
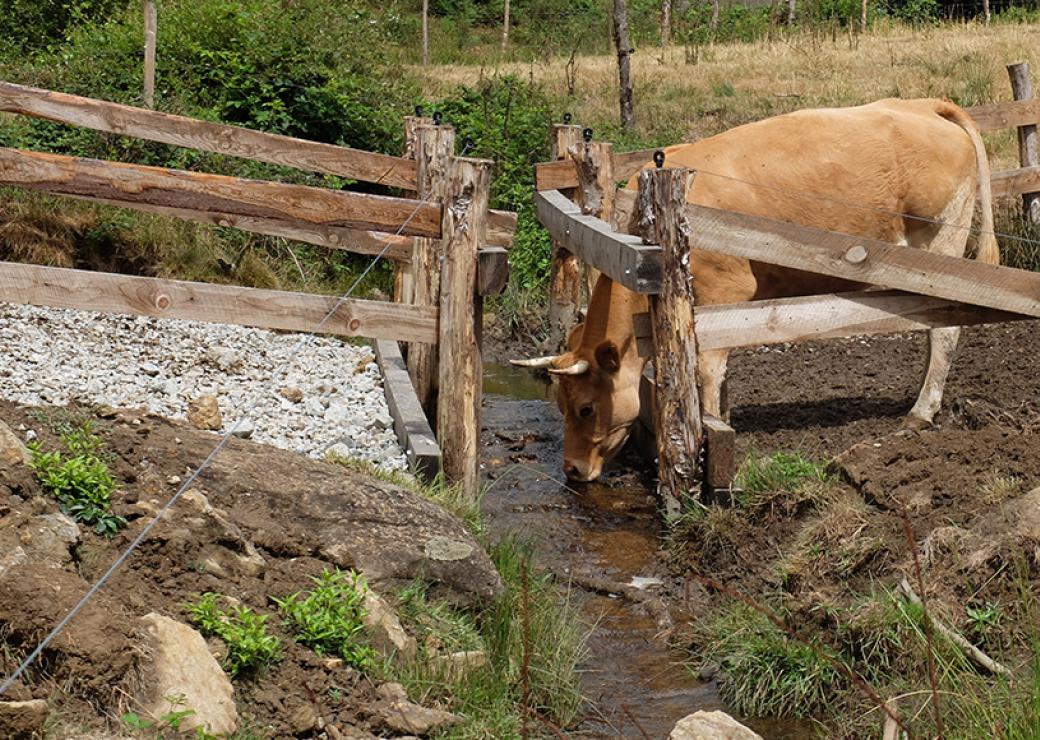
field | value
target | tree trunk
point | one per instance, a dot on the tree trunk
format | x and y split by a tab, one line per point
713	25
863	17
1022	87
426	32
790	12
666	22
985	11
505	26
150	27
624	52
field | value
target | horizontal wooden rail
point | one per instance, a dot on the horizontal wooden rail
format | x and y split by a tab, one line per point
562	174
623	258
1010	114
208	136
293	205
864	260
501	228
176	299
832	316
1016	182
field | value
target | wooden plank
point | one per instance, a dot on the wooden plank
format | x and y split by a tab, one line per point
390	246
150	26
1022	89
410	424
678	428
564	269
864	260
1011	114
720	451
208	136
501	228
128	183
622	257
627	164
1016	182
562	174
222	304
458	407
404	279
492	270
832	316
594	161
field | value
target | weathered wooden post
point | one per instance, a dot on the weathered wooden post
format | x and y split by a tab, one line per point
662	200
1022	87
403	280
564	271
594	161
461	311
435	148
150	28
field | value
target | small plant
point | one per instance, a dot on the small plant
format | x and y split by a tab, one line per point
983	618
765	481
82	482
330	618
171	720
250	646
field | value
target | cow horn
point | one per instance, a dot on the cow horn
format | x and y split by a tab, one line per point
535	361
578	368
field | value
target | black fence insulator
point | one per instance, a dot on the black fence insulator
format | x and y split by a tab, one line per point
567	118
467	146
587	135
437	118
418	111
659	158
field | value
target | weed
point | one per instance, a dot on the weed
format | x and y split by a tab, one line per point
330	617
250	646
81	482
437	625
983	619
782	477
171	720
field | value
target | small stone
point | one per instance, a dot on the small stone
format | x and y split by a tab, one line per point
304	719
11	448
456	665
363	363
204	413
22	718
292	393
173	480
243	429
385	630
711	726
709	671
150	368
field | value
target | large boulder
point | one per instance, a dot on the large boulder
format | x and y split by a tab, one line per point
711	726
179	664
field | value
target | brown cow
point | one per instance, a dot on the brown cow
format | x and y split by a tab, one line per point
901	171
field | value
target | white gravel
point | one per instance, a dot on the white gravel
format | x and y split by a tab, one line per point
53	356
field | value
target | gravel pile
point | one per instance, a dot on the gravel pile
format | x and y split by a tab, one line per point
329	399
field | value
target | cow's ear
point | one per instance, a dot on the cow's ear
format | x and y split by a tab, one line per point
607	356
574	338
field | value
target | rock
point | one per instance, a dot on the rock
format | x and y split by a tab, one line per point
181	664
392	691
384	628
304	719
402	715
711	726
364	362
22	719
244	429
195	528
456	665
49	538
150	369
224	359
292	393
709	671
12	451
204	413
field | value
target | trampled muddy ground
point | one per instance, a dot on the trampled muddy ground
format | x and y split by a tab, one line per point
818	399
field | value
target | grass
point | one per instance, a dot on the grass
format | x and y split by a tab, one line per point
251	647
785	480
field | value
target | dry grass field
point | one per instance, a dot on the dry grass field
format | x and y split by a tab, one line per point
730	84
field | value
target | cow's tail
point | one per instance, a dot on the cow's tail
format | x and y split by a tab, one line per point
987	249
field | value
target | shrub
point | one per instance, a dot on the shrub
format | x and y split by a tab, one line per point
330	618
244	631
81	482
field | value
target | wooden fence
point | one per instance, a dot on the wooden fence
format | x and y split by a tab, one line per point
588	220
450	219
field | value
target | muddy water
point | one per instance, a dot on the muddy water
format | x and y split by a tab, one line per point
605	530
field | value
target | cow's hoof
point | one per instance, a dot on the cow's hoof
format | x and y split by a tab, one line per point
913	423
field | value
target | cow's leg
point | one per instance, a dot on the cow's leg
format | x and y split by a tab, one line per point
942	344
712	368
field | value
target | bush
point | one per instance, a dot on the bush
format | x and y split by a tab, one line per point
26	25
250	647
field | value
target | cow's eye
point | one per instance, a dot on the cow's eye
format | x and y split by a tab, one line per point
585	412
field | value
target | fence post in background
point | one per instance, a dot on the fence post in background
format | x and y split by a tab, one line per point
150	27
1022	87
403	274
458	408
594	161
425	32
662	200
564	272
435	148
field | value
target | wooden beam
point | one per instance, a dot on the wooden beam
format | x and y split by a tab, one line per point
1028	156
622	257
458	407
404	279
562	174
564	269
996	116
125	184
492	270
150	28
864	260
208	136
833	316
410	424
678	429
594	161
223	304
720	451
501	228
1016	182
627	164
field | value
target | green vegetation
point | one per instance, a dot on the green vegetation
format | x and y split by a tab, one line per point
80	479
171	720
329	619
250	646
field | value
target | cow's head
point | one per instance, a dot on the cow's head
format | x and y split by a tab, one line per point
598	393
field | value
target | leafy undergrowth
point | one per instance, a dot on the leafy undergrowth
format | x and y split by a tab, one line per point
251	647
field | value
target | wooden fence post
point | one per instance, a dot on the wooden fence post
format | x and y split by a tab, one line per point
624	51
594	161
662	199
150	29
564	271
458	408
1022	87
435	150
403	273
